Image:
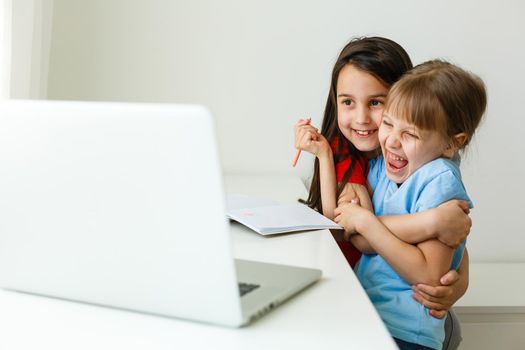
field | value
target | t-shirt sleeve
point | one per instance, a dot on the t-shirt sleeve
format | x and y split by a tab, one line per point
374	170
442	188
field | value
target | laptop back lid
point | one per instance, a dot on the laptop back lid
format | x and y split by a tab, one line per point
116	204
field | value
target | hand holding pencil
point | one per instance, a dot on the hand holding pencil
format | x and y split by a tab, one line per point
308	138
298	154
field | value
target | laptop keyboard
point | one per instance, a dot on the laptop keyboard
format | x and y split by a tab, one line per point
245	288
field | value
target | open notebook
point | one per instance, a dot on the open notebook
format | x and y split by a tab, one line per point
268	217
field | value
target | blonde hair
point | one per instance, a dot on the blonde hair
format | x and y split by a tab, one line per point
439	96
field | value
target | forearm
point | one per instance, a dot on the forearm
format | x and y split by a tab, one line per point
328	184
449	222
362	244
410	228
415	265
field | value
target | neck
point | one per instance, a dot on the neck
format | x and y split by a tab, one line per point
372	154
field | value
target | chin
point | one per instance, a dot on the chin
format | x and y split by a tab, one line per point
365	146
397	177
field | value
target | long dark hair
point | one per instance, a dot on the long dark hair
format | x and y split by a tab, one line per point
385	60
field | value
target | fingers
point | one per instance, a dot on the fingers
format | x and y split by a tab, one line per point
438	313
304	135
432	293
341	207
304	124
435	297
363	197
426	303
345	199
308	136
346	206
301	130
303	121
449	278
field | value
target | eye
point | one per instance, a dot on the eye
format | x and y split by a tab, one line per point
347	102
386	123
412	135
376	103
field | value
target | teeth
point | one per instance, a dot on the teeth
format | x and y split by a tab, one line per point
364	133
394	157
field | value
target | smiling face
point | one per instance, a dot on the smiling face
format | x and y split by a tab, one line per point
360	103
406	148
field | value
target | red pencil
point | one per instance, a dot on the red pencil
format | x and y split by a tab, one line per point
294	163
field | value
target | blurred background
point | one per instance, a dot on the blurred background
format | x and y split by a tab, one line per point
261	65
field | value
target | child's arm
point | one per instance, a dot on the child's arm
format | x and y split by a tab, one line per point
450	218
424	263
439	299
449	223
308	138
328	182
357	193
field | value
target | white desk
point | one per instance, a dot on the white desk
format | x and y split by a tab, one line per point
333	314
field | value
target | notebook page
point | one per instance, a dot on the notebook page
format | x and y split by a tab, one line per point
281	218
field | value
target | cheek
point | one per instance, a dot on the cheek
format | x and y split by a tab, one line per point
381	135
340	113
411	151
342	119
417	155
376	117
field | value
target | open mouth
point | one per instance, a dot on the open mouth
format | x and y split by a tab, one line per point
395	163
364	133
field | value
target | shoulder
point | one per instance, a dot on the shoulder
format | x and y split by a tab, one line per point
374	170
375	165
438	168
437	182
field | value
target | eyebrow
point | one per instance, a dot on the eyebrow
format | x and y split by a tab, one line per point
370	96
415	126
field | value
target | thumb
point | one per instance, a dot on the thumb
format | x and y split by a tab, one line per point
449	278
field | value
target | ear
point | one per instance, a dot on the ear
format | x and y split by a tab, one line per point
459	140
455	145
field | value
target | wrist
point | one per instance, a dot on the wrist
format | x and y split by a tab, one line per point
363	221
325	153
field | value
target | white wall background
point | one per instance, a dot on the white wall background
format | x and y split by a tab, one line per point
5	48
261	65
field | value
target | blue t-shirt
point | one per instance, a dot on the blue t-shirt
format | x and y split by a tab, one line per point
431	185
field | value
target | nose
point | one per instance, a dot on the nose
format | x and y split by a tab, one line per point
363	115
392	141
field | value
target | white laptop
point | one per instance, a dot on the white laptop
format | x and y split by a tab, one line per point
122	205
